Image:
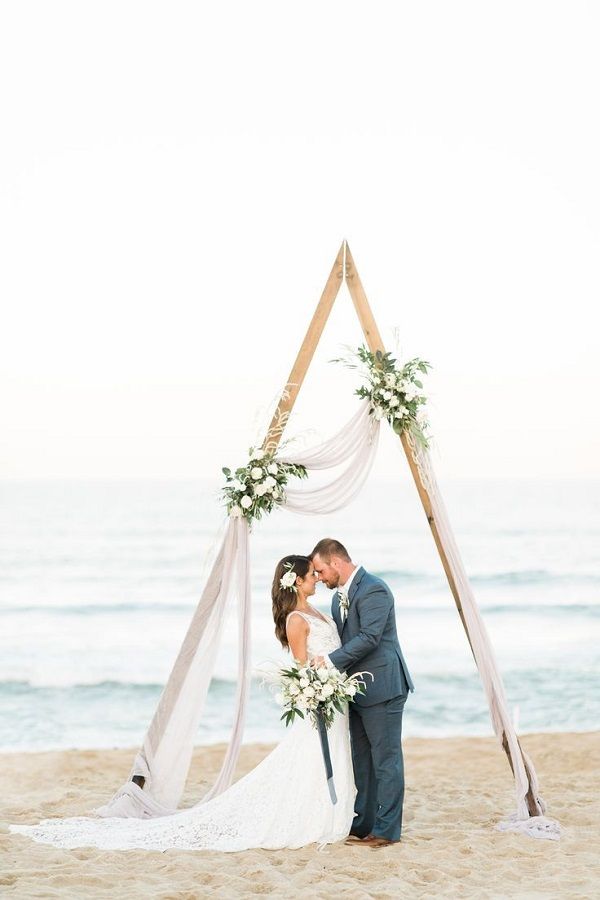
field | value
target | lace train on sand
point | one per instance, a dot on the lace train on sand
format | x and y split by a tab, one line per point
282	803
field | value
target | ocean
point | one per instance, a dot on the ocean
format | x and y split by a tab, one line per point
99	579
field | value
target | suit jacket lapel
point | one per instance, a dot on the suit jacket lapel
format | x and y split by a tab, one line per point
355	583
335	612
352	593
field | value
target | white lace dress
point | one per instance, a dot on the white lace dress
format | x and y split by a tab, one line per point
283	803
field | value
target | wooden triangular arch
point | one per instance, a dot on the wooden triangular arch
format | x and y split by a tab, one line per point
344	269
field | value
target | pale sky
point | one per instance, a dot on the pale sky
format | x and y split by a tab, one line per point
176	180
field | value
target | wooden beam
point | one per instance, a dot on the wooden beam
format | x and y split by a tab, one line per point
305	354
375	343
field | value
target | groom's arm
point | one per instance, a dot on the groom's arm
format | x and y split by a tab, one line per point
373	611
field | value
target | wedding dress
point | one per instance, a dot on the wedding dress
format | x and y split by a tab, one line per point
283	803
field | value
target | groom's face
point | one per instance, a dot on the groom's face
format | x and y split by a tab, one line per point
327	572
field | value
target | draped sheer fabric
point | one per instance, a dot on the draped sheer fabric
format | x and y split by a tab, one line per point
485	658
165	755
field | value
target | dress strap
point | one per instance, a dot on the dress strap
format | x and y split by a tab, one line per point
297	612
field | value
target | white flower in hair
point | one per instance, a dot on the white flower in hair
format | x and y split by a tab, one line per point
288	581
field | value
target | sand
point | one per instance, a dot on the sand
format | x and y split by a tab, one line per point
457	790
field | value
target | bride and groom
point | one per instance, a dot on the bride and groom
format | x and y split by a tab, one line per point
284	802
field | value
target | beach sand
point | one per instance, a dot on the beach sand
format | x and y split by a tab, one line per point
457	790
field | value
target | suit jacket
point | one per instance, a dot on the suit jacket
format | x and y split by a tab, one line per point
370	641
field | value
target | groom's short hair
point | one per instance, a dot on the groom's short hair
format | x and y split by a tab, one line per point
329	547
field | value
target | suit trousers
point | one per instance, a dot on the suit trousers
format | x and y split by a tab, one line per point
376	734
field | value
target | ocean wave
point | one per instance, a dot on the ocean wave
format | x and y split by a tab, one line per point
16	686
86	609
439	605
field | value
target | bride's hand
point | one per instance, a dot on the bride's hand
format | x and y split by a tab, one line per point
317	661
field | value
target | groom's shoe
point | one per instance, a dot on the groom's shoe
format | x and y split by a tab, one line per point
355	838
372	840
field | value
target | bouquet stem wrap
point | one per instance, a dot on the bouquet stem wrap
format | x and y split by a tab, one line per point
322	729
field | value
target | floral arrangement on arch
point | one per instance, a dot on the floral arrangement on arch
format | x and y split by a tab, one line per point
259	486
395	393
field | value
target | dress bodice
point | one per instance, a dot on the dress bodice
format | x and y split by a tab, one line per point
323	636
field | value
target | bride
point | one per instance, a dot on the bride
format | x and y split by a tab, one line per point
284	802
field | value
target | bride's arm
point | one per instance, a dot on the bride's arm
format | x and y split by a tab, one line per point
297	630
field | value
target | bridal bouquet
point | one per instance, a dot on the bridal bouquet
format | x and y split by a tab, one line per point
318	693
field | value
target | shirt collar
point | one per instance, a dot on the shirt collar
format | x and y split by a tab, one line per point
346	587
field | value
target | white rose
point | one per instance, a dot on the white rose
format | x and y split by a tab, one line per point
390	379
387	395
309	691
236	485
246	501
410	393
301	703
304	682
258	454
272	468
378	412
236	512
327	690
303	672
256	473
322	673
350	690
288	580
294	689
260	489
394	402
270	482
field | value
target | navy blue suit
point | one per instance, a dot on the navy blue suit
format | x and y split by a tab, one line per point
370	644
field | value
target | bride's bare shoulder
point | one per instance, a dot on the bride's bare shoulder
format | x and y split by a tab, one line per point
296	623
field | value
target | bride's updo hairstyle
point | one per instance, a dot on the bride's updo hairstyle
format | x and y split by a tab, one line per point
284	598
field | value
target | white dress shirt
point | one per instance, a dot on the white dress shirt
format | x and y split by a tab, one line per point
346	587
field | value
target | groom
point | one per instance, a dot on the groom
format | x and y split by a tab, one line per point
363	609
